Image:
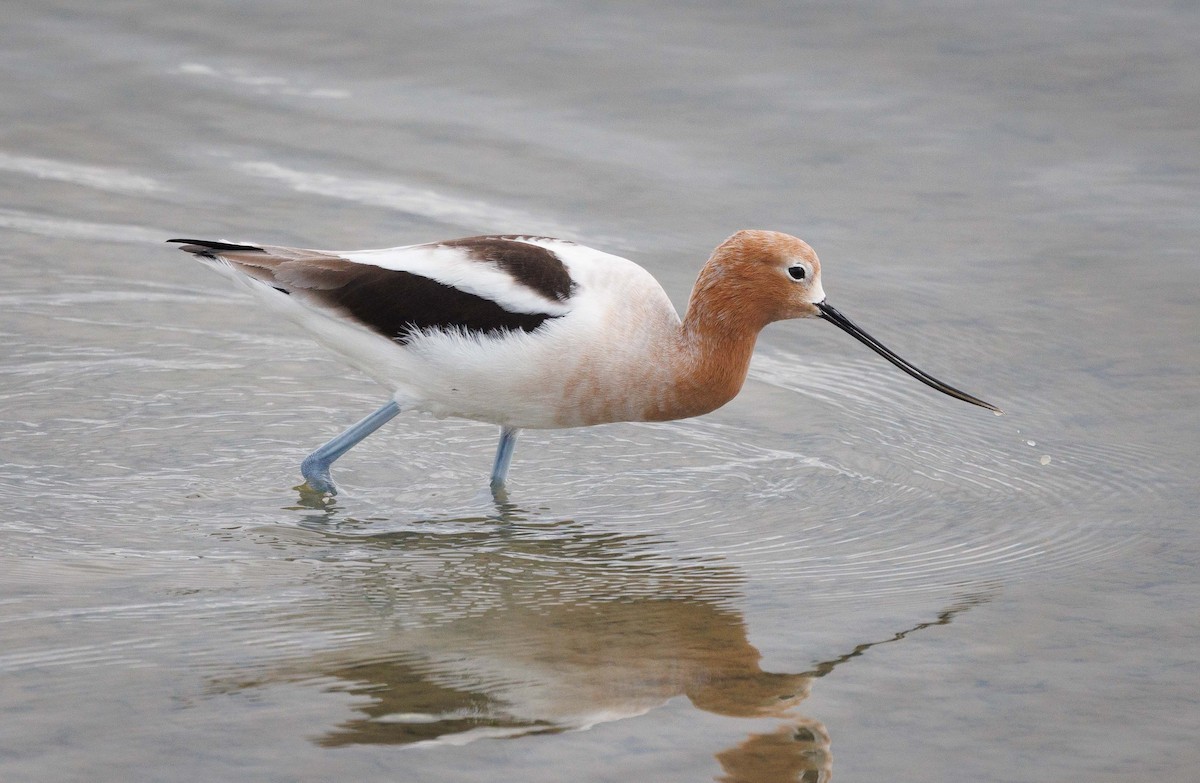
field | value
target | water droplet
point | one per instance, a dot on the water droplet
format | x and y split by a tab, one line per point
1031	443
1045	460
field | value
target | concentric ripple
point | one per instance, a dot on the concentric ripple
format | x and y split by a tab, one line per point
824	479
867	494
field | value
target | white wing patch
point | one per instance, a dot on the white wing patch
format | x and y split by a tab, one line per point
457	268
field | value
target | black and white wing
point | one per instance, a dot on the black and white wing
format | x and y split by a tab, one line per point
481	285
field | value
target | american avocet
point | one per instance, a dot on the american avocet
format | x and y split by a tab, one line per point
534	332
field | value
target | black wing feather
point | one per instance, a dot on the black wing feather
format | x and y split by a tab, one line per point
396	304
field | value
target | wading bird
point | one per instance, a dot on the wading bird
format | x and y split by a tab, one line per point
533	332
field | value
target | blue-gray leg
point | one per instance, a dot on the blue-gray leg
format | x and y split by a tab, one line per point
316	465
504	452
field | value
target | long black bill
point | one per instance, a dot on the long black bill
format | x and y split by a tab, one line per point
846	325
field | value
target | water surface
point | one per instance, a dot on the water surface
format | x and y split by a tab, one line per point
840	573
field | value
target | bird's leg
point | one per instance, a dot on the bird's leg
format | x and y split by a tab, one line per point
316	465
504	452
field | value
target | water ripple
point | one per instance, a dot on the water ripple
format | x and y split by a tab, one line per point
867	495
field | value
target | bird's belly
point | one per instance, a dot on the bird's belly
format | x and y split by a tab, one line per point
539	380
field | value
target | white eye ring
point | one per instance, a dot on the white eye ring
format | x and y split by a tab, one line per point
797	272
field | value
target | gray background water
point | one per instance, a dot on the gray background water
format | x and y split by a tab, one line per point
1006	194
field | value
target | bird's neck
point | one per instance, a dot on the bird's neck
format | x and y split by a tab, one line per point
714	344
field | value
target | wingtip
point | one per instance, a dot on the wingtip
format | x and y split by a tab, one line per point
209	247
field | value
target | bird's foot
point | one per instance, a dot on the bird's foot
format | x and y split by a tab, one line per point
314	500
499	492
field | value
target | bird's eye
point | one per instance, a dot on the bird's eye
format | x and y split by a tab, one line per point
796	272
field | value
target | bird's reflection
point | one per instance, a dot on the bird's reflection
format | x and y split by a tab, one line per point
545	628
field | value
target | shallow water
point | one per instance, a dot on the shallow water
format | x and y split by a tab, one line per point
838	573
